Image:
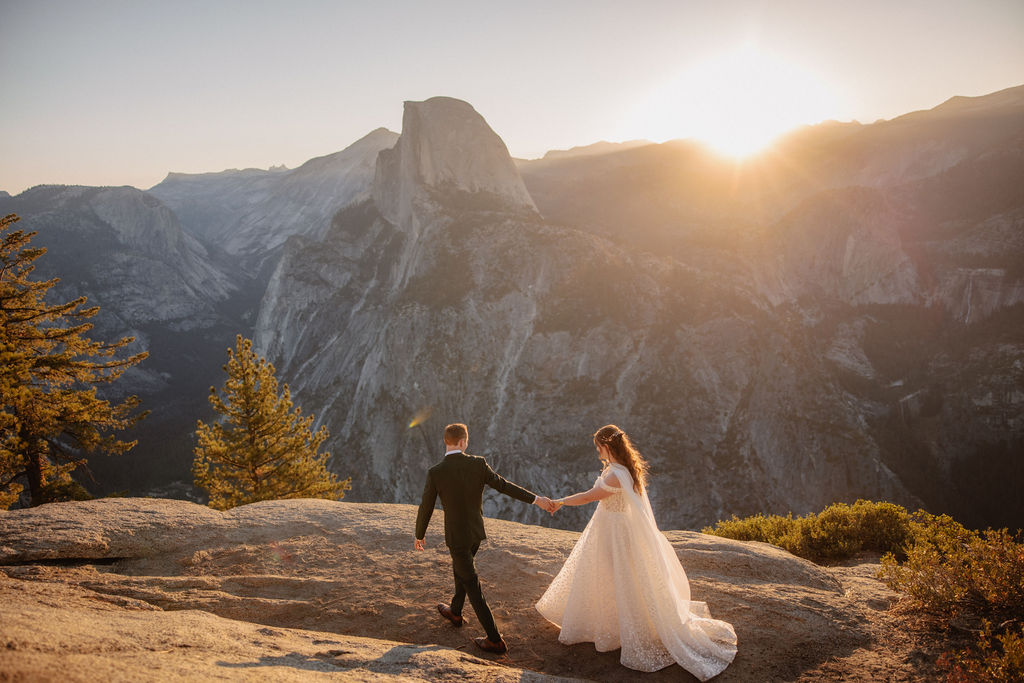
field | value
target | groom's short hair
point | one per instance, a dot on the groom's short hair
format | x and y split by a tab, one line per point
454	433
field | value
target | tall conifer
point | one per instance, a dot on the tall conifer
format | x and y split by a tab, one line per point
261	449
50	414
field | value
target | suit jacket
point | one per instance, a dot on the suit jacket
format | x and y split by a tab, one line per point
460	479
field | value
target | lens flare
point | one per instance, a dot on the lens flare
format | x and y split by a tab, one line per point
421	416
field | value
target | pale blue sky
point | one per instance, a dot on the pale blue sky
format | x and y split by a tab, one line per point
121	92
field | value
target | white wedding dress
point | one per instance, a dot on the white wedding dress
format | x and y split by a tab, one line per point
623	586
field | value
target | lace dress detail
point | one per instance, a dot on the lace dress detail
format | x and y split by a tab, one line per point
622	587
615	502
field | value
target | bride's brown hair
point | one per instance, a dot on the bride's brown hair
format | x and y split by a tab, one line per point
622	448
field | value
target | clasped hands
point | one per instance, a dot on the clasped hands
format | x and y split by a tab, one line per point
547	504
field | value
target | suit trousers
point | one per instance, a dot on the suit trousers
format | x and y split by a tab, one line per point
468	583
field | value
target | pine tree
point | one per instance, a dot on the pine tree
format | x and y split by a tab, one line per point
262	449
50	413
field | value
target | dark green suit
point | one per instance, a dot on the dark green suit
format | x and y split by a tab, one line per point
459	480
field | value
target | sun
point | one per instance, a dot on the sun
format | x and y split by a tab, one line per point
736	102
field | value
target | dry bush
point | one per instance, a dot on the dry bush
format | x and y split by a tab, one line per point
951	570
996	658
944	569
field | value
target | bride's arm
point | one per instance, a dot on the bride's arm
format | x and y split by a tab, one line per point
596	493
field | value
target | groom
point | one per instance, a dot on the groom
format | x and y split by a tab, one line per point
460	479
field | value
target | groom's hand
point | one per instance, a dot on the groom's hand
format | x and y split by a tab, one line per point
546	504
420	543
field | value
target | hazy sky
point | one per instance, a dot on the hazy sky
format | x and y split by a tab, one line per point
120	93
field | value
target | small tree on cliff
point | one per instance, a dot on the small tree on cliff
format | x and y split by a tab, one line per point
50	415
263	449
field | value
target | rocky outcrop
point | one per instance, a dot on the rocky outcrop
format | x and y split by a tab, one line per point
447	148
69	633
285	588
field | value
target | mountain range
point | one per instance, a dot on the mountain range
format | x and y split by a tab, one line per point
840	317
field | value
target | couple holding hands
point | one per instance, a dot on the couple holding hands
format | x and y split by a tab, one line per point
622	585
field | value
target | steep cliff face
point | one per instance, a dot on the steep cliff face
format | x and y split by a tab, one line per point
249	213
461	308
304	200
151	270
841	245
446	147
210	204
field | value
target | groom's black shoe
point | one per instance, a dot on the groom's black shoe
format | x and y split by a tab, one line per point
447	613
488	646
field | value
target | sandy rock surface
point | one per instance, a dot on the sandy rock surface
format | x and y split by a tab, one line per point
135	587
67	633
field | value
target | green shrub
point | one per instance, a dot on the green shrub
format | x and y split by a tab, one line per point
990	662
836	533
764	528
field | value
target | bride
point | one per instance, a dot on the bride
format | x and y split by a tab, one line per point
623	586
